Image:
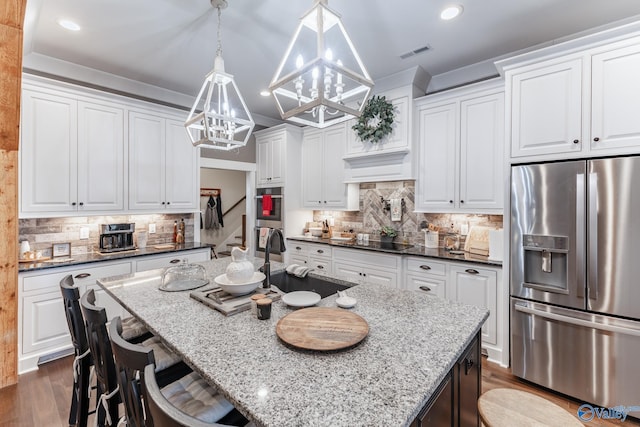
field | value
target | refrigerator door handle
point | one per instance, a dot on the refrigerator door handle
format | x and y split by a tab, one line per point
580	232
592	278
522	307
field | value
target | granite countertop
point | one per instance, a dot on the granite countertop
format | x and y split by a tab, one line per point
98	257
414	340
401	249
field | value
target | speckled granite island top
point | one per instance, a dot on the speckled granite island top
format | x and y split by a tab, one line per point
414	340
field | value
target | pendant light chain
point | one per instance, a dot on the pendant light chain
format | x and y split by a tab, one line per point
219	51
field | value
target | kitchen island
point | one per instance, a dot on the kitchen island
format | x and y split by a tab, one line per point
413	345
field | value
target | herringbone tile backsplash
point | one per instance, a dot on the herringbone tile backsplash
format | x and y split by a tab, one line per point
372	215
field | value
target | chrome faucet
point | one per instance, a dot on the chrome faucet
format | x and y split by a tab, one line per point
266	269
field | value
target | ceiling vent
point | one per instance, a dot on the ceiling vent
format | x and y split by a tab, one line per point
415	52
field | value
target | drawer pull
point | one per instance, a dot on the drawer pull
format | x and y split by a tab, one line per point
298	248
471	271
425	267
82	276
320	251
425	288
174	261
320	267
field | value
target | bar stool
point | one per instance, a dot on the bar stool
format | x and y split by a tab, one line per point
506	407
82	361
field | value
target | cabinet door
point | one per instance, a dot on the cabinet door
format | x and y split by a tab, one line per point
44	322
181	168
399	137
262	153
48	153
481	153
428	284
312	177
380	277
100	157
615	99
146	161
277	159
546	107
348	272
334	188
478	287
437	159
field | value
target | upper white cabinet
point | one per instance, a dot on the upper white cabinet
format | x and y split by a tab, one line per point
72	154
460	156
323	184
270	156
576	105
162	164
389	159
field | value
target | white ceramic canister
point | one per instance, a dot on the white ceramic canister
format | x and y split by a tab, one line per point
24	248
240	270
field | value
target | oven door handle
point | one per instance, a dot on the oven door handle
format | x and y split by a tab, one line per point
276	196
577	322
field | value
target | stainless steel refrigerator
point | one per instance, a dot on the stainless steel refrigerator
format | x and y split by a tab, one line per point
575	278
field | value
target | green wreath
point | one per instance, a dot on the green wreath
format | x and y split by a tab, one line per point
375	121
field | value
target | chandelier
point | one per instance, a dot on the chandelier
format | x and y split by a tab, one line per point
331	84
219	118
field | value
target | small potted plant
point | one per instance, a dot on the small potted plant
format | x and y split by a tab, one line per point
387	234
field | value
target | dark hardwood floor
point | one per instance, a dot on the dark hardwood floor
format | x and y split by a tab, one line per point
42	398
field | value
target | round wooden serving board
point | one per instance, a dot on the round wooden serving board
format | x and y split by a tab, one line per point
322	329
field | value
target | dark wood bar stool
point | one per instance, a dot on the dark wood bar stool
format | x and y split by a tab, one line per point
82	361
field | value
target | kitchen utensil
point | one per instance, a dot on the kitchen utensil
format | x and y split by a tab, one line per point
301	299
183	277
322	329
241	288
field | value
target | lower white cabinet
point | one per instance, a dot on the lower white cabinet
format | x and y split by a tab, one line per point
43	333
426	275
161	261
363	266
477	286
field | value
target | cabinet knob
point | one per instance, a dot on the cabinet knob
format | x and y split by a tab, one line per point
325	201
82	276
168	203
81	203
163	203
364	274
468	364
360	274
425	288
451	201
73	203
425	267
576	141
596	139
174	261
471	271
319	201
461	201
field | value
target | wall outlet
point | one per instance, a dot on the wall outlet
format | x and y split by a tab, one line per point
84	233
152	228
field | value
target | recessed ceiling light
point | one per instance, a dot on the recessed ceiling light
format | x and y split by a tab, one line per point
69	25
265	93
451	12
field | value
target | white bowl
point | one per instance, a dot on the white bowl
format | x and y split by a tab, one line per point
315	231
239	288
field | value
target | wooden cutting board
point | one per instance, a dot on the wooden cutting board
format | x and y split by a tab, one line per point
322	329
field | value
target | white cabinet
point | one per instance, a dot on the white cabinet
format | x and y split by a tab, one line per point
391	158
152	262
426	275
316	256
479	287
162	164
43	332
72	154
323	184
362	266
270	158
460	157
578	105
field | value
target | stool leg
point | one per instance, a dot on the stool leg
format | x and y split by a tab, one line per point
73	412
83	395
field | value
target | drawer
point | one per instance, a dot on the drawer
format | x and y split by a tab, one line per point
297	248
361	256
320	265
426	266
82	274
153	262
323	251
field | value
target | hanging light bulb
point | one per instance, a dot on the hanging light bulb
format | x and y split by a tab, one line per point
219	118
337	83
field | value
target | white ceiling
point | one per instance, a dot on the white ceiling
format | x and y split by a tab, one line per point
171	43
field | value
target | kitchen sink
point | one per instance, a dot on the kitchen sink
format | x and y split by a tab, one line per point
288	283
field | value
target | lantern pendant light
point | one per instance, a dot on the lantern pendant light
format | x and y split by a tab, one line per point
331	85
219	118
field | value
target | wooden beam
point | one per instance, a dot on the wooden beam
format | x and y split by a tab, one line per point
11	24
